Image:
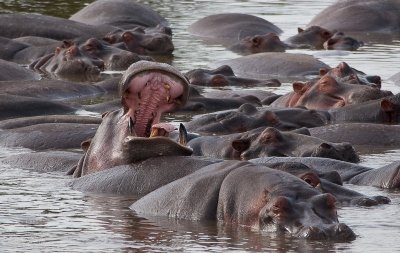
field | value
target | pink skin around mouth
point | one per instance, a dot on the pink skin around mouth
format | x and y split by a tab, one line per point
148	96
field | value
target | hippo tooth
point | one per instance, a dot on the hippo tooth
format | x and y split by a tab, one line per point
168	98
167	86
131	124
182	135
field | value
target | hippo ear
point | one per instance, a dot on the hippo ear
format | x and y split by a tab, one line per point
58	50
86	144
224	69
298	87
218	80
128	36
256	41
241	145
387	105
311	178
323	71
300	30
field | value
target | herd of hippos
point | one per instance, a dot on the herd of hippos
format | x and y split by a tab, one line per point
254	159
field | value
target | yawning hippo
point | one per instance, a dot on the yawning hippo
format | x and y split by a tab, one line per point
148	89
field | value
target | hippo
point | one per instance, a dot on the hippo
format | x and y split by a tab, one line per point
113	57
248	117
344	73
329	182
249	195
118	13
369	135
328	93
16	25
361	18
56	161
385	177
385	110
228	28
148	89
142	41
270	141
283	66
12	106
224	76
341	42
48	136
23	52
56	90
76	61
12	71
198	103
312	37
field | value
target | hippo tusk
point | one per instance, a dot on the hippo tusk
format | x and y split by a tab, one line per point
183	138
131	124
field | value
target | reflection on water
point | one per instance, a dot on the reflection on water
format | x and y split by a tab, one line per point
40	213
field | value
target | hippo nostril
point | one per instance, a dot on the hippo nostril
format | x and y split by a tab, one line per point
325	145
313	233
342	232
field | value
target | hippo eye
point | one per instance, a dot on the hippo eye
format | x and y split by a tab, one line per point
266	139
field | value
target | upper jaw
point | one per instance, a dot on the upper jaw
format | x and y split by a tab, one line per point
149	89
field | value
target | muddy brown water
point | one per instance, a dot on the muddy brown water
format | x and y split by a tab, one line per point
39	213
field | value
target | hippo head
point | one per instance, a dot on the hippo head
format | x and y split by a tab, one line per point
215	77
303	213
139	42
312	37
113	57
329	93
269	42
149	89
272	142
275	201
340	42
68	62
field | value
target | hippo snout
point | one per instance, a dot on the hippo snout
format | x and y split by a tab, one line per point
341	232
337	232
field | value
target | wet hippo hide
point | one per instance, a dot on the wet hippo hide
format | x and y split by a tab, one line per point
16	25
142	177
50	89
229	28
49	161
48	135
283	66
370	136
118	13
19	106
11	71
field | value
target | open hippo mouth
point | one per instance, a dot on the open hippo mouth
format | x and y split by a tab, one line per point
149	89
